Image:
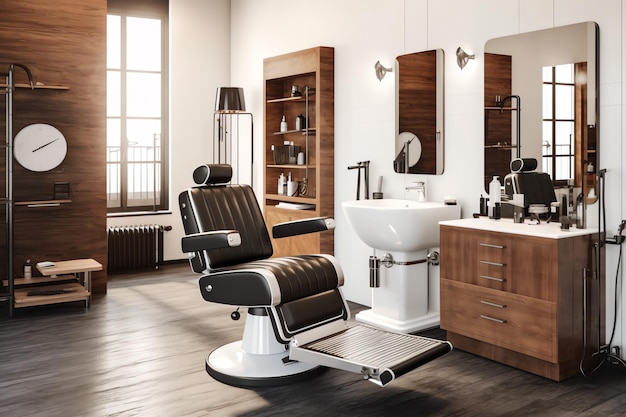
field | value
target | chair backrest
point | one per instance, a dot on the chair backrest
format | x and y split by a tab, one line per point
218	206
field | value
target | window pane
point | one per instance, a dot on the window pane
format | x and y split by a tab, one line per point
143	95
114	90
564	73
114	41
564	168
547	74
564	139
143	44
564	108
114	158
141	133
547	164
547	101
546	140
114	132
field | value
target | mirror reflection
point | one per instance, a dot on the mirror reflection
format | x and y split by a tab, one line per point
419	110
552	76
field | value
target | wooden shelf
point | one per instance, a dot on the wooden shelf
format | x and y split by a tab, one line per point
500	147
40	280
37	87
312	70
302	131
77	293
290	166
288	199
501	108
298	98
42	203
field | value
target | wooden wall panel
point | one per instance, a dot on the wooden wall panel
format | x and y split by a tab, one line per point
63	43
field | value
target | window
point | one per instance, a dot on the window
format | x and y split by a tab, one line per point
137	106
559	133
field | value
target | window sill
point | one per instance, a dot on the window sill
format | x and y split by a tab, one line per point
140	213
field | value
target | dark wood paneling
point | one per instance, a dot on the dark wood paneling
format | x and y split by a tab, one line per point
63	43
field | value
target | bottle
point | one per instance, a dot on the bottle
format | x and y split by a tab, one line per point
28	269
494	194
283	125
281	184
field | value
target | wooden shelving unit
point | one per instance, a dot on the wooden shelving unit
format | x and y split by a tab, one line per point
17	290
312	71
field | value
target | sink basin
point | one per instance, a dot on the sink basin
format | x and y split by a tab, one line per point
395	225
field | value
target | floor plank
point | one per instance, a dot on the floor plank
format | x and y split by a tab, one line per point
140	351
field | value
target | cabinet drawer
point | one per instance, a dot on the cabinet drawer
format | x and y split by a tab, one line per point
511	321
494	262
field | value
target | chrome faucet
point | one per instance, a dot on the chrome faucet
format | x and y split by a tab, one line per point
420	186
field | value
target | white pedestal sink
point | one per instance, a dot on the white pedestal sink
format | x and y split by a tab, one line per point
402	230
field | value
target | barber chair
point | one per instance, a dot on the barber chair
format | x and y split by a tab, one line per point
296	323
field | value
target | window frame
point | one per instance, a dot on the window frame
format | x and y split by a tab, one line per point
577	134
151	9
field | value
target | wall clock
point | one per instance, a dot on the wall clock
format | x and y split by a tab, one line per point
39	147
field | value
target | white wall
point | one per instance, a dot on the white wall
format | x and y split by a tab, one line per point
362	32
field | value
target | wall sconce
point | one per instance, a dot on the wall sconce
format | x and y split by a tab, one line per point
381	71
232	133
462	57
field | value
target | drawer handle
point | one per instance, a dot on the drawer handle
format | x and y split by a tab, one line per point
492	263
491	245
482	316
493	278
489	303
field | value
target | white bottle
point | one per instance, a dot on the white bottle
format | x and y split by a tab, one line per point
283	125
281	184
28	269
494	194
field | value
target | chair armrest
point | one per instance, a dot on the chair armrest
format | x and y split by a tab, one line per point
210	240
304	226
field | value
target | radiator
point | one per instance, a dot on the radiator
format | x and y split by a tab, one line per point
135	247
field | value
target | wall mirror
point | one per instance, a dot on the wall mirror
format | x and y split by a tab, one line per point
419	113
552	75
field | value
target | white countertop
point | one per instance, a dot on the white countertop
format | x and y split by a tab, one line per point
529	228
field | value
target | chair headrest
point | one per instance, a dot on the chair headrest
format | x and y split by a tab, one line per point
212	174
523	165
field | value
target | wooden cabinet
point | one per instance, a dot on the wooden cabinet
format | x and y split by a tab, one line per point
520	299
311	72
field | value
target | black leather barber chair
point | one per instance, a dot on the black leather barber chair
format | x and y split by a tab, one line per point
296	322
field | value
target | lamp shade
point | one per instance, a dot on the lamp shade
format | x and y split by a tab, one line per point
229	99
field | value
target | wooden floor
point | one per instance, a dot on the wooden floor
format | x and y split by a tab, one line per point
140	351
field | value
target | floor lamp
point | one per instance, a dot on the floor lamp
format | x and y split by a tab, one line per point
233	134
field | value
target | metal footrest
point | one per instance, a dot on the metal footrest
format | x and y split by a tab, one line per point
378	355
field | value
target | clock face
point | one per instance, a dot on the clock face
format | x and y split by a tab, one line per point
40	147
